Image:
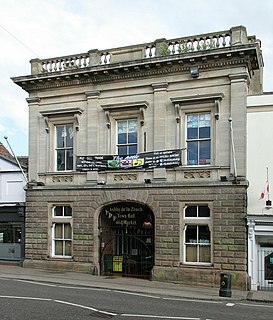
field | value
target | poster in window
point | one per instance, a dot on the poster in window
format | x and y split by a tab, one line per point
117	263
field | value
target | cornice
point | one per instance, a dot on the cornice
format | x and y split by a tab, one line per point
139	69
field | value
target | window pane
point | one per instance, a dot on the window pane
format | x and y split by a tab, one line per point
69	159
122	132
204	125
122	127
60	136
192	153
132	125
67	211
69	136
192	133
132	137
122	138
191	253
67	248
132	149
58	211
58	248
204	254
191	211
67	231
58	231
203	211
204	234
191	234
60	160
132	131
204	152
204	132
122	150
192	126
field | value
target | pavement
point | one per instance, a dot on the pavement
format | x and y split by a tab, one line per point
130	284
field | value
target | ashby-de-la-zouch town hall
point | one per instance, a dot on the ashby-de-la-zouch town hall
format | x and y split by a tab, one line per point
137	159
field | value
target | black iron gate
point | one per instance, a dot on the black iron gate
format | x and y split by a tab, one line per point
126	239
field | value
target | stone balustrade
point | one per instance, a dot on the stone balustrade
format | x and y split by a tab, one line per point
159	48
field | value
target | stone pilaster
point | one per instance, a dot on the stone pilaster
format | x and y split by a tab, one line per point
92	120
160	115
238	96
33	141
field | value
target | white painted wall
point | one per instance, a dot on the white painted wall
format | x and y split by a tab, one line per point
12	183
259	150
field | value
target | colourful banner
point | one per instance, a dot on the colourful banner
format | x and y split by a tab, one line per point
166	158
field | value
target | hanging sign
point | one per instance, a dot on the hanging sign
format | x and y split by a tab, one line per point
156	159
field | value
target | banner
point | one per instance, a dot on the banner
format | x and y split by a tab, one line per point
157	159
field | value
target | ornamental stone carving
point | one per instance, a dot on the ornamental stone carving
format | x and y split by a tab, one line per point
204	174
67	178
125	177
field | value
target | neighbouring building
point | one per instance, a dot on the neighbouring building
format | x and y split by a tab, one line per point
259	173
137	158
12	208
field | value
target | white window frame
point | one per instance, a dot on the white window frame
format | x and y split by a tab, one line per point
61	220
196	221
198	140
127	144
66	149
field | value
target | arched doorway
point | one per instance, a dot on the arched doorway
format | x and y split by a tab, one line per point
126	239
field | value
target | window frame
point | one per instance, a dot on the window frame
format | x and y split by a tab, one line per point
53	118
60	220
199	222
203	103
66	149
197	140
125	111
127	144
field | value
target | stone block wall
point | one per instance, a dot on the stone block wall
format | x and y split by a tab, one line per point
228	232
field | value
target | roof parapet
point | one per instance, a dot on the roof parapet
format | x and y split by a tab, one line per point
158	48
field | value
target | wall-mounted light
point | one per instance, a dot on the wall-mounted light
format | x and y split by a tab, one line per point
147	180
194	71
101	182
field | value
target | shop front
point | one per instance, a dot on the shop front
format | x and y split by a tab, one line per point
126	239
260	252
11	234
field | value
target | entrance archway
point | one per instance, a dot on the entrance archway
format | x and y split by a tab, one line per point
126	239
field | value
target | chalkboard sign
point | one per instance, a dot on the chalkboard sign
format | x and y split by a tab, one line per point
157	159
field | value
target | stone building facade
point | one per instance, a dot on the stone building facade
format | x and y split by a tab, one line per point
137	158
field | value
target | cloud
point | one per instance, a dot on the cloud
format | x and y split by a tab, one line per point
50	28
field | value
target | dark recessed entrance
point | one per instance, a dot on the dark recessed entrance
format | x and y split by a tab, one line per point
126	239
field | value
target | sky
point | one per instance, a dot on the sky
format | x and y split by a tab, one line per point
50	28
